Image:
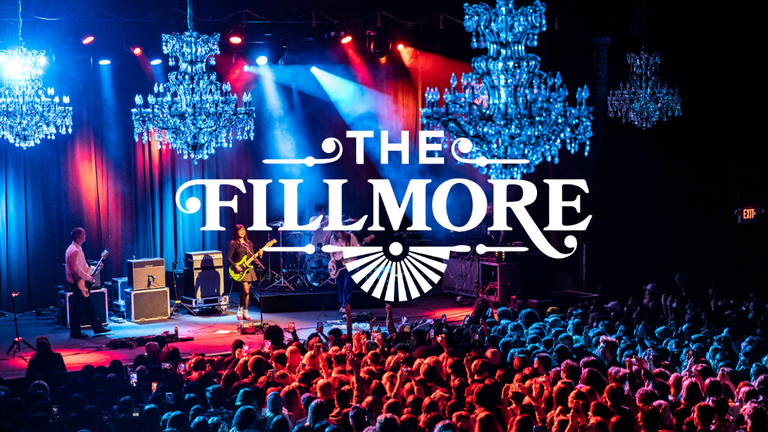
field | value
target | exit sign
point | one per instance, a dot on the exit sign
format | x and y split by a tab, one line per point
748	214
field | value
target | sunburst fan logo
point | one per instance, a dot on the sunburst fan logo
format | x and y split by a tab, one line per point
397	273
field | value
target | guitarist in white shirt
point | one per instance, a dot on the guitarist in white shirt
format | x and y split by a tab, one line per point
239	248
344	282
78	273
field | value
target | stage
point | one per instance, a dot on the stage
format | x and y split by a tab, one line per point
213	331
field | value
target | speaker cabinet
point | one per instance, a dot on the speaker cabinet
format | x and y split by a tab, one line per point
99	297
203	259
460	276
146	273
201	283
499	281
147	305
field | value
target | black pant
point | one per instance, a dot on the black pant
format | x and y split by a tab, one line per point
81	306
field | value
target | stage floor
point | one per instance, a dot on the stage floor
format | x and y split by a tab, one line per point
213	332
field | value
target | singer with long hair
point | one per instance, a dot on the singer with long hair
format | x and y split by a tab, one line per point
239	248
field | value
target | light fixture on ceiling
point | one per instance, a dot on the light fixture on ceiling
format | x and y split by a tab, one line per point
645	99
28	112
507	107
192	112
378	43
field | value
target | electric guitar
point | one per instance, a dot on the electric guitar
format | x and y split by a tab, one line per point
334	269
245	263
95	269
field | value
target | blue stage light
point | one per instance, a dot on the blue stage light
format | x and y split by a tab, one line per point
261	60
104	62
156	62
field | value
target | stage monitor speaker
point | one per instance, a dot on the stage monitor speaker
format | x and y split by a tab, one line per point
99	297
146	273
203	259
460	276
147	305
202	283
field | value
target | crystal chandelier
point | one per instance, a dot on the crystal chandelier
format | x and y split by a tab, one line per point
506	106
192	112
645	99
28	113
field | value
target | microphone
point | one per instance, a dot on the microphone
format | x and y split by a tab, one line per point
150	279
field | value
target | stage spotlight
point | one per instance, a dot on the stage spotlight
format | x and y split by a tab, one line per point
400	47
88	39
261	60
235	40
156	62
346	39
378	43
136	51
313	69
277	48
104	62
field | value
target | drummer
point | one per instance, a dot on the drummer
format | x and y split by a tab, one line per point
320	238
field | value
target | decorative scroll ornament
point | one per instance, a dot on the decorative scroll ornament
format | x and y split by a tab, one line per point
506	106
192	113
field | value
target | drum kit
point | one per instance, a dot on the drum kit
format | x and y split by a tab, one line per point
299	268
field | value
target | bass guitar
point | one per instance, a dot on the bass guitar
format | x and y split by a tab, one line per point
334	268
245	263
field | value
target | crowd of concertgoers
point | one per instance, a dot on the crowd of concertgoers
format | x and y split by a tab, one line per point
668	362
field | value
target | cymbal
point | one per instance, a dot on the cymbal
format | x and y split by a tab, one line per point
349	221
276	223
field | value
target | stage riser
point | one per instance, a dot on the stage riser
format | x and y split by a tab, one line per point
315	301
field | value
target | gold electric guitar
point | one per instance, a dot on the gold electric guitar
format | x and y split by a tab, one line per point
334	269
245	263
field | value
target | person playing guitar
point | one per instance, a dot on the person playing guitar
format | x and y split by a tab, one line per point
80	278
337	266
241	251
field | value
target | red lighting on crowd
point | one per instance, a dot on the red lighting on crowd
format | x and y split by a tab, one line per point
137	51
237	40
88	39
346	39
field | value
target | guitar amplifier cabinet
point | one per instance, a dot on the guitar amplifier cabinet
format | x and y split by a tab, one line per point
147	305
203	259
201	283
146	273
99	297
459	277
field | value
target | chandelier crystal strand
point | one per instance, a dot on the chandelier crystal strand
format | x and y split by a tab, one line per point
644	100
506	106
192	113
28	112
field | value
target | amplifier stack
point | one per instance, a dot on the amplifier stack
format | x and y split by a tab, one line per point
204	280
143	294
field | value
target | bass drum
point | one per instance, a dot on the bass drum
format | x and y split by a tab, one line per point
316	269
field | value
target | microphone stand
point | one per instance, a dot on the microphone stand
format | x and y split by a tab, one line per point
16	345
177	304
261	289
